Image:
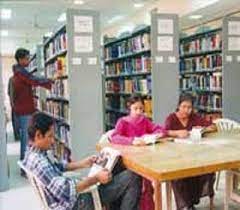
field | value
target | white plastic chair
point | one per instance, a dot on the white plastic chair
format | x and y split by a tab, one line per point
39	190
105	138
227	126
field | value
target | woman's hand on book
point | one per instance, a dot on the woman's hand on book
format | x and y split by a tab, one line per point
104	176
182	133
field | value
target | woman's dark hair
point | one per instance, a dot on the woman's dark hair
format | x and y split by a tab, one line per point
185	97
21	53
133	99
41	122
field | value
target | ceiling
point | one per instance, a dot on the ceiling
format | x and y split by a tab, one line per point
31	19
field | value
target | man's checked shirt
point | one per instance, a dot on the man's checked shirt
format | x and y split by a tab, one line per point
60	191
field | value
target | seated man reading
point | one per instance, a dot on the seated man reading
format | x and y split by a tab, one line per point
62	193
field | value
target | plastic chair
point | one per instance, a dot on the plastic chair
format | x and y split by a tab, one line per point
227	126
39	190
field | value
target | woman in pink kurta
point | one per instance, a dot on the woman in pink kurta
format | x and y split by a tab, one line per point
188	191
128	131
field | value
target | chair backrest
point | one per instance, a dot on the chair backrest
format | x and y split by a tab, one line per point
106	136
227	125
39	189
37	186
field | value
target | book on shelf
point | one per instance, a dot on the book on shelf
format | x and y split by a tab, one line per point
58	45
59	89
58	110
201	63
132	45
106	159
57	68
210	82
129	66
61	152
202	44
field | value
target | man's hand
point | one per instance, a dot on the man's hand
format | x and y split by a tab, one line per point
88	162
104	176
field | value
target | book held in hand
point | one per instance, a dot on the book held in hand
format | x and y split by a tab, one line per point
107	158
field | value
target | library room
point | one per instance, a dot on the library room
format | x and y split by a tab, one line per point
120	105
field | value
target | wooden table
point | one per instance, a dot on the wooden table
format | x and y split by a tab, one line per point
168	161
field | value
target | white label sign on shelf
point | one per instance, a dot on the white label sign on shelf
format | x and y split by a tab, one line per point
172	59
234	44
83	24
238	58
234	28
83	44
76	61
165	26
92	61
159	59
165	43
229	58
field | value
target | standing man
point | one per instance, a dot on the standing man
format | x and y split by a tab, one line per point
23	82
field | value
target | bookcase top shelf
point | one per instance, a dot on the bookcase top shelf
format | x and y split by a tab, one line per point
200	35
135	33
130	55
58	31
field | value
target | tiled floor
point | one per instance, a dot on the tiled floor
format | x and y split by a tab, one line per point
21	196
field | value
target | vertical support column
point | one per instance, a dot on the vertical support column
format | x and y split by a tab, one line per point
3	142
231	66
165	64
85	81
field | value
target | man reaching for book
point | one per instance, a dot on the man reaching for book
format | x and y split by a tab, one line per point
62	192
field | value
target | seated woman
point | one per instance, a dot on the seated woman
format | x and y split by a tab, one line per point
130	130
188	191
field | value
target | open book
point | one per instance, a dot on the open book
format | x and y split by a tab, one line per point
196	135
107	158
150	138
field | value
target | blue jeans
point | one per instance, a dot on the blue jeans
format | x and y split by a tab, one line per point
23	122
125	186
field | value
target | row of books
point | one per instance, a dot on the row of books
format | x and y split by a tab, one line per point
58	110
202	82
209	102
58	68
59	44
201	63
62	133
203	44
61	152
132	45
129	66
59	89
130	85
